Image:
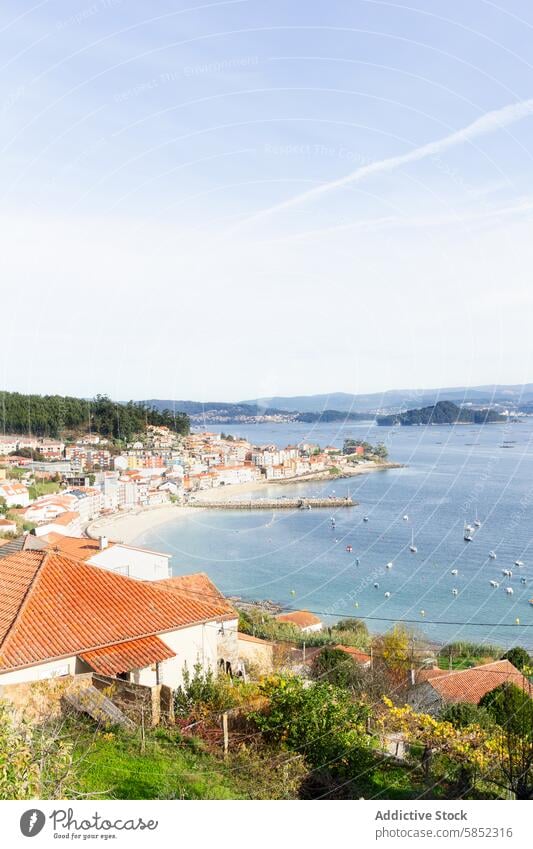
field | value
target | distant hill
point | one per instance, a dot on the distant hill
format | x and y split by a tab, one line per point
444	412
198	408
393	400
225	411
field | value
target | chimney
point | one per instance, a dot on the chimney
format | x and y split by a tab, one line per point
102	543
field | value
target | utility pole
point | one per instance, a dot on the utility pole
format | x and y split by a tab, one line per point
225	732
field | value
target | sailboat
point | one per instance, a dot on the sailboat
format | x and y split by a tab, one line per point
477	522
413	547
467	533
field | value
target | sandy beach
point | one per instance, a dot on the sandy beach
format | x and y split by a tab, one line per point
127	527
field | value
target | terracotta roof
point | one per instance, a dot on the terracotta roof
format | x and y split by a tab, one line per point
470	685
425	673
65	518
53	606
301	618
198	584
122	657
357	654
249	639
79	547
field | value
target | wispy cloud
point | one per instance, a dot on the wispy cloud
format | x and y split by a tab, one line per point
497	119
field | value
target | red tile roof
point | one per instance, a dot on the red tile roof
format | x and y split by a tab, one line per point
248	638
356	654
301	618
122	657
53	606
198	584
65	518
470	685
79	547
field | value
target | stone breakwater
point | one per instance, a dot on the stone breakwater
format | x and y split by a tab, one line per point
276	503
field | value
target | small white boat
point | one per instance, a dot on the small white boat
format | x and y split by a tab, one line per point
455	571
494	583
365	518
507	572
492	555
389	565
477	523
387	595
405	518
455	591
467	533
509	590
519	563
522	580
376	586
413	547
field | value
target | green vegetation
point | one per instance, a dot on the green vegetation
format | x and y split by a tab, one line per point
512	710
51	415
463	654
443	412
116	765
261	624
336	667
320	721
520	658
463	714
43	488
370	452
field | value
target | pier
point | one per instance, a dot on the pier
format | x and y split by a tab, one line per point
277	503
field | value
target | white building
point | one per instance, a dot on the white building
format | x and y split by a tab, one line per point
14	493
95	620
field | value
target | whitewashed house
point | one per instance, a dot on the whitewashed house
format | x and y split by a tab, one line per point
60	616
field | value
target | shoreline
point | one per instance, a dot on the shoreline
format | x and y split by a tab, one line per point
128	527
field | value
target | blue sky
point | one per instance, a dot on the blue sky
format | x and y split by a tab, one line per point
233	199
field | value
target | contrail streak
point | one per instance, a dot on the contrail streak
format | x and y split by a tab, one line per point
496	120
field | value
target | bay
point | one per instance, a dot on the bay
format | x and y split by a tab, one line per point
451	474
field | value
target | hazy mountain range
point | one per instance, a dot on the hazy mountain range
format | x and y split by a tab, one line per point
391	400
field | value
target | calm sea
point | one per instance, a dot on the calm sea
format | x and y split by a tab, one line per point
452	474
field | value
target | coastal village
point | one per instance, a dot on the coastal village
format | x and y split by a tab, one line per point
111	633
48	485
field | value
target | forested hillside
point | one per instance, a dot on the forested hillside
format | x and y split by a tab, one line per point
53	415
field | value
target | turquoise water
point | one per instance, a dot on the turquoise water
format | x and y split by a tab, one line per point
297	559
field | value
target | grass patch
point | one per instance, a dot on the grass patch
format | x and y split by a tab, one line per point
43	488
112	766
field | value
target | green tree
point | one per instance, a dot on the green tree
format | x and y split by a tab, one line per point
519	657
35	759
336	667
512	710
463	714
321	722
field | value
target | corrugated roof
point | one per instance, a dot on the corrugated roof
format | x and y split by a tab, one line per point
54	606
123	657
11	546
